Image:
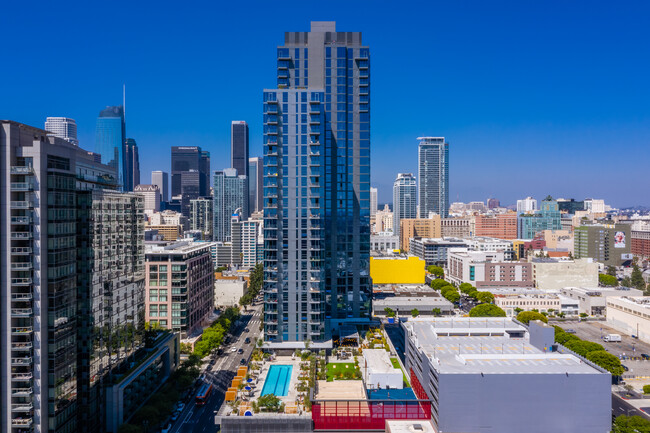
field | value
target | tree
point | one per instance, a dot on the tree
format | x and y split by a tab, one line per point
527	316
563	337
269	403
607	280
466	288
626	282
606	360
452	296
646	389
415	312
611	270
436	270
439	284
436	312
631	424
583	348
637	278
389	312
485	297
486	310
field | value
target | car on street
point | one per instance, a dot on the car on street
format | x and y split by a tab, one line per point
645	356
166	429
247	330
180	406
175	416
625	367
570	331
247	340
240	351
243	361
233	349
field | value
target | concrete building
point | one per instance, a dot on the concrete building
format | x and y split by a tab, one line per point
384	242
547	218
378	370
630	315
487	269
373	202
433	176
493	203
554	274
606	243
640	239
161	180
247	241
179	285
502	226
527	205
596	206
305	148
62	127
230	193
490	245
396	270
475	370
168	217
384	221
418	227
542	303
151	195
229	290
403	305
593	300
169	232
434	251
255	184
404	199
201	216
463	227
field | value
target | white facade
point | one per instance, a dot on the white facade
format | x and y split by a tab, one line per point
373	201
63	127
228	292
595	205
593	300
630	315
541	303
384	241
384	220
161	180
151	195
378	371
168	217
527	205
555	274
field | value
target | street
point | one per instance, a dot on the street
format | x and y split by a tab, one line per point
201	418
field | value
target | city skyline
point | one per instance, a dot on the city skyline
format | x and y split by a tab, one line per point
533	89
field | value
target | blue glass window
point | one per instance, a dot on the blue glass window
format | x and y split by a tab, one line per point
283	52
328	51
285	98
296	53
305	56
340	52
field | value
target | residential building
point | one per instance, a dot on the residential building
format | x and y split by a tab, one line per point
255	184
500	361
493	203
131	164
434	250
201	217
527	205
373	201
247	241
476	206
179	285
640	239
55	196
630	315
63	127
161	180
168	217
607	243
110	140
401	269
462	227
487	269
222	253
502	226
230	193
593	300
543	303
433	176
419	227
151	195
404	199
168	232
384	241
547	218
551	274
317	139
384	220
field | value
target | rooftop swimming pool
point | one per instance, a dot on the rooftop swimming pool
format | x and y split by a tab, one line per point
277	380
391	394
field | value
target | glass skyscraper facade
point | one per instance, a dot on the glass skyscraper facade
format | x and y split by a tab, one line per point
433	176
230	193
547	218
317	186
404	199
110	139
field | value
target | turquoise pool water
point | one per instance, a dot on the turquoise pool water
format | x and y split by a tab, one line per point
277	380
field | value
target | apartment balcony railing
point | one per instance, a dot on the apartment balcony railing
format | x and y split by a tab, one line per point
22	407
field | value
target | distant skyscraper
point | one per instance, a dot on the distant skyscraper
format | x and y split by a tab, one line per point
131	165
255	184
190	174
161	179
433	176
526	205
373	201
493	203
204	170
404	199
110	139
62	127
239	147
230	194
201	217
317	186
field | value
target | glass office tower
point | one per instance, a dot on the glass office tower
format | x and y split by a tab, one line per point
317	186
110	139
433	176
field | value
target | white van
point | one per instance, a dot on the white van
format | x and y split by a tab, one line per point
612	338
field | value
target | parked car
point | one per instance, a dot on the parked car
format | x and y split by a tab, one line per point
180	406
175	416
243	361
645	356
625	367
240	351
570	331
233	349
167	428
247	330
247	340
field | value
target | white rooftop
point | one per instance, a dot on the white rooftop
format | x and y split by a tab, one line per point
378	361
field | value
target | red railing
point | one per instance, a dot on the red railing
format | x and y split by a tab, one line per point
418	389
365	414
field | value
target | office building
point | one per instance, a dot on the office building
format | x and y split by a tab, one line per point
592	300
419	227
595	206
433	176
483	269
169	217
59	280
527	205
190	159
373	202
228	291
457	227
640	239
255	184
404	199
110	139
201	217
317	186
570	206
179	285
493	203
630	315
547	218
515	303
230	193
475	370
131	165
239	147
161	180
607	243
151	195
434	250
384	241
383	221
502	226
552	274
63	127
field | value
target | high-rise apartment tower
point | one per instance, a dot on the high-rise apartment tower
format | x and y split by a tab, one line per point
433	176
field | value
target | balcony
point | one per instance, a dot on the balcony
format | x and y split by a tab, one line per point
21	220
26	266
21	281
21	170
21	296
22	330
21	377
22	346
21	251
21	392
314	102
19	236
21	312
22	407
26	360
21	204
21	422
314	120
22	186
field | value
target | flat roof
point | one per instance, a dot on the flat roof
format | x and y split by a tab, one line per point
410	426
175	247
378	361
486	346
413	301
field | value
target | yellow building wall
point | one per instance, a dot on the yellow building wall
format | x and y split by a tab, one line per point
397	271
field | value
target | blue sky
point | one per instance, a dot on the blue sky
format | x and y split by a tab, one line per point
534	97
